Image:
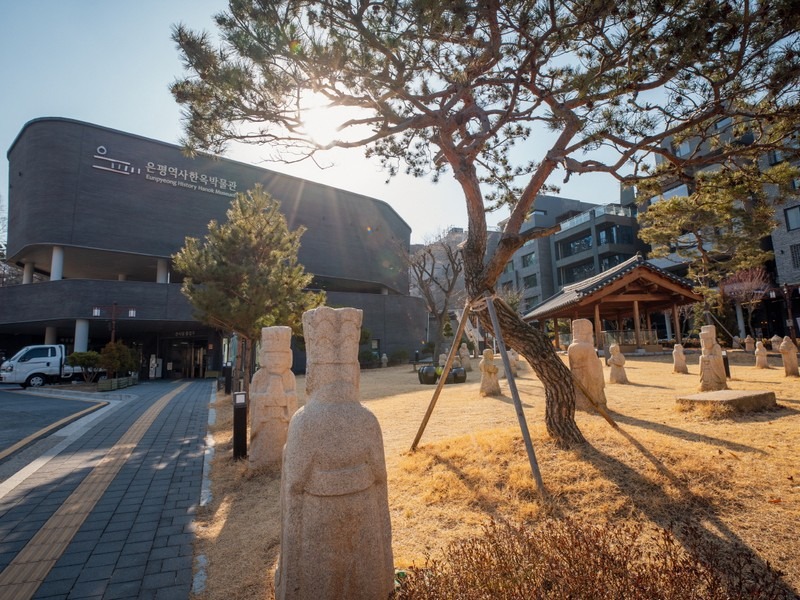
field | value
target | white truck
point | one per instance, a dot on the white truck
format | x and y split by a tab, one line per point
34	366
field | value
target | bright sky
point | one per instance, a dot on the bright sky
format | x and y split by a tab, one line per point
111	63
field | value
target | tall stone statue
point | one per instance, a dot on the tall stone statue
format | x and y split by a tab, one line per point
463	354
712	369
490	383
749	344
336	537
617	363
586	367
761	356
679	360
788	351
273	399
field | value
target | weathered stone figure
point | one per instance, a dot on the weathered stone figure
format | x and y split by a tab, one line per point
775	342
617	363
273	399
749	344
737	342
679	360
463	354
384	360
761	356
789	353
712	369
585	366
490	384
335	532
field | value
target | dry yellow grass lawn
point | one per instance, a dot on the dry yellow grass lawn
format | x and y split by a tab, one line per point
736	476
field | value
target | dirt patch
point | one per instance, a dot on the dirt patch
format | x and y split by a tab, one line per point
736	476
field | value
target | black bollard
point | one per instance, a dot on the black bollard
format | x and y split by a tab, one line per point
726	364
239	425
226	372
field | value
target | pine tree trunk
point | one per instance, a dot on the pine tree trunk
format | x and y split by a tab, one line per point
549	368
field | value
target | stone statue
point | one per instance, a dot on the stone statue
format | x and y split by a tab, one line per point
617	363
513	361
335	539
789	353
712	369
737	342
273	399
761	356
463	353
679	360
775	342
586	368
490	384
384	360
749	344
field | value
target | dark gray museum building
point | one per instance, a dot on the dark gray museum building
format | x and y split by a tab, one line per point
95	214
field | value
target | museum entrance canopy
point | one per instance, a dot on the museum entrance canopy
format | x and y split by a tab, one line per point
631	290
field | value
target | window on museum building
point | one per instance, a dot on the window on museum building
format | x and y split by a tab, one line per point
792	218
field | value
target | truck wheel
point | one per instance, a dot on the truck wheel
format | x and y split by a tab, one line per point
35	380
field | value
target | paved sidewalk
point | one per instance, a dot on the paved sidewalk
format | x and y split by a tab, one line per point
111	515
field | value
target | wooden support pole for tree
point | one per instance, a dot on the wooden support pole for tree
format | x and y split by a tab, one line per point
440	384
523	425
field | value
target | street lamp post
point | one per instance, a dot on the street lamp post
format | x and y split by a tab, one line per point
129	311
787	296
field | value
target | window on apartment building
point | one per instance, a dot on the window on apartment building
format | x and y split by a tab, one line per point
509	267
796	184
775	157
795	250
530	281
792	218
575	273
531	302
723	123
528	259
566	249
682	149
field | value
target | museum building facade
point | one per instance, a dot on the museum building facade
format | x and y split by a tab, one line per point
95	215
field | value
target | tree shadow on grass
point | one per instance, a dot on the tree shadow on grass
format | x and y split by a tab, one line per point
683	434
660	507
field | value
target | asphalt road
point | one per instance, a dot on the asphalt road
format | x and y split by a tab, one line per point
22	413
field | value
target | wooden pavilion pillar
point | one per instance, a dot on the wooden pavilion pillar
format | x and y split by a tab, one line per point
648	321
636	327
555	329
598	328
677	324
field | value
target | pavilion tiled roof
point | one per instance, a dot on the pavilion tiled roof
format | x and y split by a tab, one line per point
575	292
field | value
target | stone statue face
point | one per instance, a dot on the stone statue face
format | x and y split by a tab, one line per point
278	362
614	348
488	354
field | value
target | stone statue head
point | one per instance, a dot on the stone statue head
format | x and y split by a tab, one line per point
488	354
678	348
614	348
332	336
275	354
582	330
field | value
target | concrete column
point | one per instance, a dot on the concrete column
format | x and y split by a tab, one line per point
81	335
740	320
49	335
27	272
162	271
57	264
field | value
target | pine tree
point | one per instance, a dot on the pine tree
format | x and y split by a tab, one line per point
245	274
